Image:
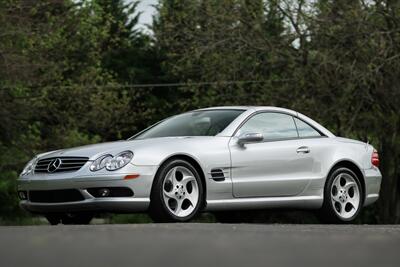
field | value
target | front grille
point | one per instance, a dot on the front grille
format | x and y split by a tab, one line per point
60	164
55	196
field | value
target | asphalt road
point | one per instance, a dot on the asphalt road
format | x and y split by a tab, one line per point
199	245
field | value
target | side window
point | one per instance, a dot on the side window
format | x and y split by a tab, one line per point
273	126
305	130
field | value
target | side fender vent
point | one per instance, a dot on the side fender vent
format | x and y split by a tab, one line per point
217	175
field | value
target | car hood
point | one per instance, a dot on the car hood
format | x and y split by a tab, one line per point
87	150
95	150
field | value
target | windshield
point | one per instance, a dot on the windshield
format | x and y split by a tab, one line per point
195	123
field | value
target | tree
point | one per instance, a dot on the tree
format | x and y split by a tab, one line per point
221	41
51	58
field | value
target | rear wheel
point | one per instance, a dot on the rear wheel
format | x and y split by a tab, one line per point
343	197
177	193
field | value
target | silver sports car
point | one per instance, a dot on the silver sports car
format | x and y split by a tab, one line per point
214	159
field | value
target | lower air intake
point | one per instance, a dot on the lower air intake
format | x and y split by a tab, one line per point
55	196
111	192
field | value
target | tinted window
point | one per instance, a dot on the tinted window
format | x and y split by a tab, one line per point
305	130
273	126
195	123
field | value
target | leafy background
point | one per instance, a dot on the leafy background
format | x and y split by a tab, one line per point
79	72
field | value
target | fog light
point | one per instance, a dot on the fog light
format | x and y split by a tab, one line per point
104	192
22	195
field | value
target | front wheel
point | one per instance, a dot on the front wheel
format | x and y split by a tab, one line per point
53	219
177	193
76	218
343	197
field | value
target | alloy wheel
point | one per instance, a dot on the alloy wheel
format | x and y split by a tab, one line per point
345	195
180	191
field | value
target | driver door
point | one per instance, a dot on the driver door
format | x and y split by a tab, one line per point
276	166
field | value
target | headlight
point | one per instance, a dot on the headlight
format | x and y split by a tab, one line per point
119	161
29	167
100	163
112	163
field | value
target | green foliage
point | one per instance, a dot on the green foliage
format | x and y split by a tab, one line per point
8	197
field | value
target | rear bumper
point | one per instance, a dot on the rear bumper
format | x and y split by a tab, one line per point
373	179
140	186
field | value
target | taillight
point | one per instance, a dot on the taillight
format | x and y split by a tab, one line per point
375	158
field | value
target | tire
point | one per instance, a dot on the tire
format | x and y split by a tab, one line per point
76	218
177	192
343	197
53	219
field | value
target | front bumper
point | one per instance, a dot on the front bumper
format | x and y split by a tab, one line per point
140	186
120	205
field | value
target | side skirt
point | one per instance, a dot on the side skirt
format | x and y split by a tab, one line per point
304	202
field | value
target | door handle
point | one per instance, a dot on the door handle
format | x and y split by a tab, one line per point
303	149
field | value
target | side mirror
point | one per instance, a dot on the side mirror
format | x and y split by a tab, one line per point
246	138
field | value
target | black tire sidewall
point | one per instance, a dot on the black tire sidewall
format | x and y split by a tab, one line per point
157	200
328	210
77	218
53	219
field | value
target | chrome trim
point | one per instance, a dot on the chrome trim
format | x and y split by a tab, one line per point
60	164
